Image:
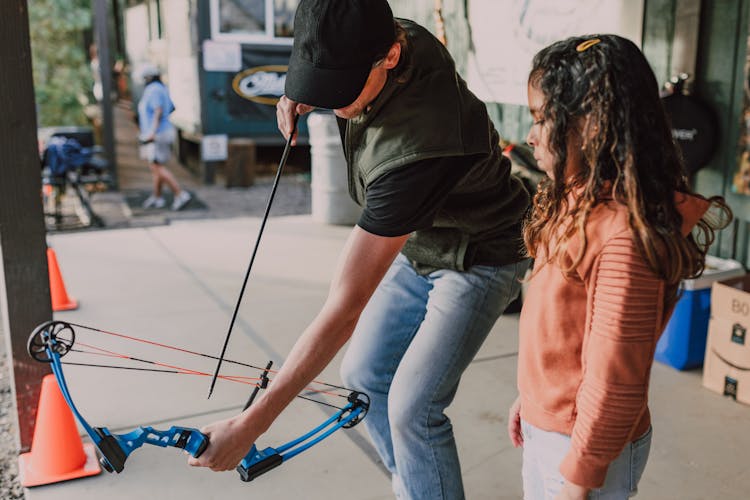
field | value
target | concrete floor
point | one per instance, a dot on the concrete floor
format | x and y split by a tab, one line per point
178	284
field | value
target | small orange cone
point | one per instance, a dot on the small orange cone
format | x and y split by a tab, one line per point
57	452
58	294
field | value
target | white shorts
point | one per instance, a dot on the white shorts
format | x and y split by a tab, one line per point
160	149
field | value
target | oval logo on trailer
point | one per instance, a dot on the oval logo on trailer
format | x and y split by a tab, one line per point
262	84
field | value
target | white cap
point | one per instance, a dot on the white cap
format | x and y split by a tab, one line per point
148	70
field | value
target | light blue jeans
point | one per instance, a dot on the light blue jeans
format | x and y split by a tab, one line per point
412	343
543	451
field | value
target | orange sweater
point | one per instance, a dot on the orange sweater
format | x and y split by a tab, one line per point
587	343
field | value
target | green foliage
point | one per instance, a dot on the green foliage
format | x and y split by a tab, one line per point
62	76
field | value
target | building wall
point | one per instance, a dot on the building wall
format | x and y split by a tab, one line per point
720	81
511	120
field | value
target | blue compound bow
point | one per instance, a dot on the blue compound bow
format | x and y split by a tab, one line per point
52	340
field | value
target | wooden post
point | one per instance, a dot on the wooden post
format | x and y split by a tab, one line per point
101	23
241	163
24	282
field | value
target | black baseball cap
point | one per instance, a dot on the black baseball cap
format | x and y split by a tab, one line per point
336	43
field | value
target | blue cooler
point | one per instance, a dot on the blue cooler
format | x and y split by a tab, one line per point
683	343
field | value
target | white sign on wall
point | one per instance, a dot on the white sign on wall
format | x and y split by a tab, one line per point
222	56
214	147
507	33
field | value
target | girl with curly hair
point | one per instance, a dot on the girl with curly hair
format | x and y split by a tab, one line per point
613	230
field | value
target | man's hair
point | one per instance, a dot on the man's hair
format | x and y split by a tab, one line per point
606	92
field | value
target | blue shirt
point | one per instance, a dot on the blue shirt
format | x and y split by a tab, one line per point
155	96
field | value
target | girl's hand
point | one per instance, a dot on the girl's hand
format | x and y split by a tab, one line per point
229	442
514	423
285	111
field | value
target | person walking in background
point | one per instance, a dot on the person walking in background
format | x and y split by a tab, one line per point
96	74
435	257
156	137
613	230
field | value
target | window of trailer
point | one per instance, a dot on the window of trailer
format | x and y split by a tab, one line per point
253	21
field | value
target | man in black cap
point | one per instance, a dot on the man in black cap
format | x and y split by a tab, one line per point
435	257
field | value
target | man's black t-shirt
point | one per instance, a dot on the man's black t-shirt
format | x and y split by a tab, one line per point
407	199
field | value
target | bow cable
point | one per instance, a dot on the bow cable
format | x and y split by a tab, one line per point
259	382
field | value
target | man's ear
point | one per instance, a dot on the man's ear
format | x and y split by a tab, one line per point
394	55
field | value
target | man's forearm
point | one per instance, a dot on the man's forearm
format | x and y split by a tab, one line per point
364	261
310	355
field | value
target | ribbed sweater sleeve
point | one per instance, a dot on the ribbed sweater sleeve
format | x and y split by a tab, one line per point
624	313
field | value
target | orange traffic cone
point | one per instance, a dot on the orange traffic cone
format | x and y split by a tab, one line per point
60	299
57	452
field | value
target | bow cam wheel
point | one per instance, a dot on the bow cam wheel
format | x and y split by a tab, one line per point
359	400
56	335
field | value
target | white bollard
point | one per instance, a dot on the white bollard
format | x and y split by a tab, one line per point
331	203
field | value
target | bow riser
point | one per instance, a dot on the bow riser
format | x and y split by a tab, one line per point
116	448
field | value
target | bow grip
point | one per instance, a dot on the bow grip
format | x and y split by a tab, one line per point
257	463
196	442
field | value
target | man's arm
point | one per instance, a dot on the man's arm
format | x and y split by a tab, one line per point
363	263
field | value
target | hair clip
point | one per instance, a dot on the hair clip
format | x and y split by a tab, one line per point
588	43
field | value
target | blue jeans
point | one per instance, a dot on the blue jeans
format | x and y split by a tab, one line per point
412	343
543	451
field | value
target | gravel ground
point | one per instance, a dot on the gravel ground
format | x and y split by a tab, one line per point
123	209
9	487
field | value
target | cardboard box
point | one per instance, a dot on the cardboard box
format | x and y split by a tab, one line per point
682	345
727	362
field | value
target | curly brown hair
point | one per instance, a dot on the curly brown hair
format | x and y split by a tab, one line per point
608	95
